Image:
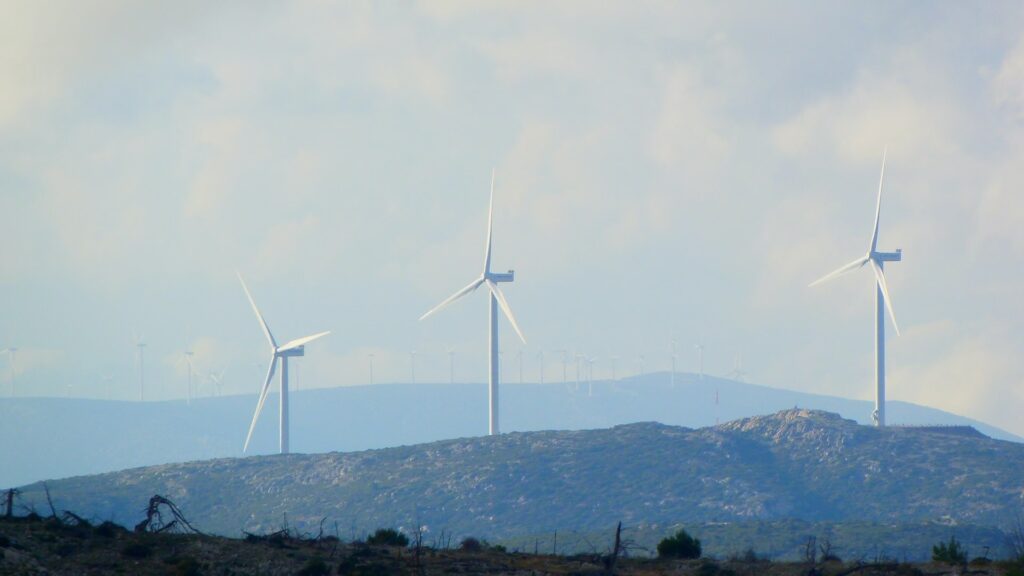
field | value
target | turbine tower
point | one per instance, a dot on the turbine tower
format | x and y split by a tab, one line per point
700	357
451	365
491	279
10	364
673	378
877	261
187	357
141	346
290	349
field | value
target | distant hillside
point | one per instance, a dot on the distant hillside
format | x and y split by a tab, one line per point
797	464
58	437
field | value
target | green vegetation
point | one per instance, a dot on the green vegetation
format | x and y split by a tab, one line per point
388	537
682	545
950	553
315	566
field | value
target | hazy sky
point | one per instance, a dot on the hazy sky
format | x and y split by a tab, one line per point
663	170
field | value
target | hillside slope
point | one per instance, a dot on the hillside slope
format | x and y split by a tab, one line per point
800	464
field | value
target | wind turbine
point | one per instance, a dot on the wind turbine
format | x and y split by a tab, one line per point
187	358
141	346
590	374
11	352
491	280
540	358
673	378
877	261
613	359
451	365
700	357
290	349
370	356
643	362
412	365
217	380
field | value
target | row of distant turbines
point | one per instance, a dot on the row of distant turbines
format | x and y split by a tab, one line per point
496	299
584	364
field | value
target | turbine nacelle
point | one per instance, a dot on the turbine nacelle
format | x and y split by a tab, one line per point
888	256
509	276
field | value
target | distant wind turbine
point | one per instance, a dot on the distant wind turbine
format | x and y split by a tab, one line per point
370	356
290	349
451	365
737	373
412	366
643	363
11	353
491	280
540	359
141	347
672	380
217	379
700	357
613	359
877	261
187	358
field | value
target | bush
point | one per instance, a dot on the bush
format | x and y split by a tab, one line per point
388	537
108	529
136	550
952	553
187	567
315	567
471	544
682	545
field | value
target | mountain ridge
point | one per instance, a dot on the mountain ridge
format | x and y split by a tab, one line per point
113	435
796	464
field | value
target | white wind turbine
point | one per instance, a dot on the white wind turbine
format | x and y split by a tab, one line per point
491	280
877	261
11	352
283	352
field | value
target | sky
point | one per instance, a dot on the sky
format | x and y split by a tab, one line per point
663	171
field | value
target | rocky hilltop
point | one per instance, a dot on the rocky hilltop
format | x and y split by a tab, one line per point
797	464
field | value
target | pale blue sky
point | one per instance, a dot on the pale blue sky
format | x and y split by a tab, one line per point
662	169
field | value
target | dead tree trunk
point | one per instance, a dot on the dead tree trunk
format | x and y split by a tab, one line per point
9	510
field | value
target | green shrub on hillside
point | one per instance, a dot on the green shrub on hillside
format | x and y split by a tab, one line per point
952	553
682	545
388	537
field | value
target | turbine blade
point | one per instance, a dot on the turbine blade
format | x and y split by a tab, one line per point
847	268
505	308
301	341
490	220
263	323
880	277
469	288
263	398
878	205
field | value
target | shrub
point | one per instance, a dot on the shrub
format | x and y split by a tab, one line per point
187	567
136	550
682	545
471	544
315	567
388	537
952	553
107	529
